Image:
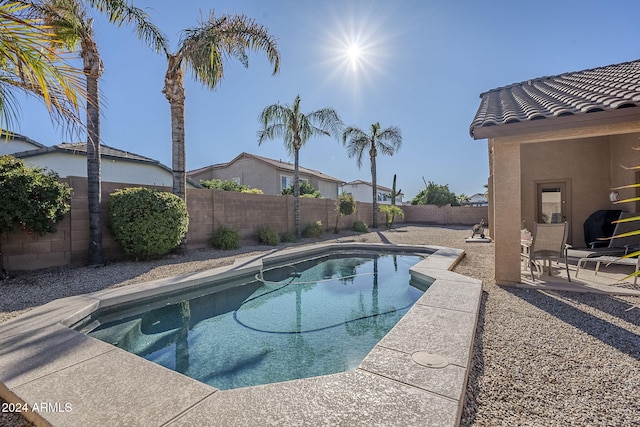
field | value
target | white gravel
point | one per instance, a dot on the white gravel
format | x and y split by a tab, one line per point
540	358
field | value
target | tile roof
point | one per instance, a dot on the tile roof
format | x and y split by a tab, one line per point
359	181
598	89
81	148
276	163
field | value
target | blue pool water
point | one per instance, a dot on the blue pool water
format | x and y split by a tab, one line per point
311	318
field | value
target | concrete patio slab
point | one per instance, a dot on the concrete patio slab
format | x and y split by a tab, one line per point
447	332
447	381
354	398
454	295
114	388
32	355
65	311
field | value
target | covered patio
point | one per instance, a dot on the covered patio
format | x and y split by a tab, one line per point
557	147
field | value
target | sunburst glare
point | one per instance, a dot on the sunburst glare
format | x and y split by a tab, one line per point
354	50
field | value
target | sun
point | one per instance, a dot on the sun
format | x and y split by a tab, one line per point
354	54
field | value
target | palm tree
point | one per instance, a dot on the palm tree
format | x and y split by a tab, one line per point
202	49
386	141
29	65
296	128
72	25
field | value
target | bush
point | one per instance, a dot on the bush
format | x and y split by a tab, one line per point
268	236
360	227
313	230
288	238
30	198
225	238
147	222
306	190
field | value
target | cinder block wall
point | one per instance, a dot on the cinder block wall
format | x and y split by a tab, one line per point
208	210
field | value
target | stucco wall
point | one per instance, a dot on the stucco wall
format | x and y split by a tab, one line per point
583	164
258	174
112	170
14	146
590	166
208	209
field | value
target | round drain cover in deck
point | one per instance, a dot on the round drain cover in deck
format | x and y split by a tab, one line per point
430	360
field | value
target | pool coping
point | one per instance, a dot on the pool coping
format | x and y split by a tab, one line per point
68	378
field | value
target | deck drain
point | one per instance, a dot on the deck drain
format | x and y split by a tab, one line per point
430	360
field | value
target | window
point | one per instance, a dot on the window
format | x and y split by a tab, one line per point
285	182
236	180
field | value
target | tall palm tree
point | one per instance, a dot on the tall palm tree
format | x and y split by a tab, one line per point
202	50
386	141
28	64
73	26
296	128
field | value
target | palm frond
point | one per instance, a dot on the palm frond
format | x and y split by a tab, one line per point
632	199
205	46
629	219
30	64
121	12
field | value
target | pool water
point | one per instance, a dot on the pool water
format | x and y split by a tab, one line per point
310	318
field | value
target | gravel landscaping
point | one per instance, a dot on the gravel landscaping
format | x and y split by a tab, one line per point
541	358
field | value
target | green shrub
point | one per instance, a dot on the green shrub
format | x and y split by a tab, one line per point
288	238
225	238
252	191
30	198
306	190
360	227
268	236
313	230
147	222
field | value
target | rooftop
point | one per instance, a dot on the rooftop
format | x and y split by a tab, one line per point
277	163
611	87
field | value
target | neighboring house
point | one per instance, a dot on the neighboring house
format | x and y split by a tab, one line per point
477	199
557	146
362	191
70	159
13	142
270	176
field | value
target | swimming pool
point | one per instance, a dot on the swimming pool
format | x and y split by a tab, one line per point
303	319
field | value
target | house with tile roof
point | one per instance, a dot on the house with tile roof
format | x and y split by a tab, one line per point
362	191
269	175
11	142
557	146
70	159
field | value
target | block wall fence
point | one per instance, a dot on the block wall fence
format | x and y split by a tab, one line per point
208	209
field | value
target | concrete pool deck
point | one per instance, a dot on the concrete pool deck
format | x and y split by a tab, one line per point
73	379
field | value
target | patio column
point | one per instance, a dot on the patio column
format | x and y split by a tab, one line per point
506	210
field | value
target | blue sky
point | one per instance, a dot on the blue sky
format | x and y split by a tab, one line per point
422	67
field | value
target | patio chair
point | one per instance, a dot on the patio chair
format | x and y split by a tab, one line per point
635	262
616	247
549	243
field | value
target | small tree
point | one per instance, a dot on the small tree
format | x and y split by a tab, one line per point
391	212
345	205
30	198
435	194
